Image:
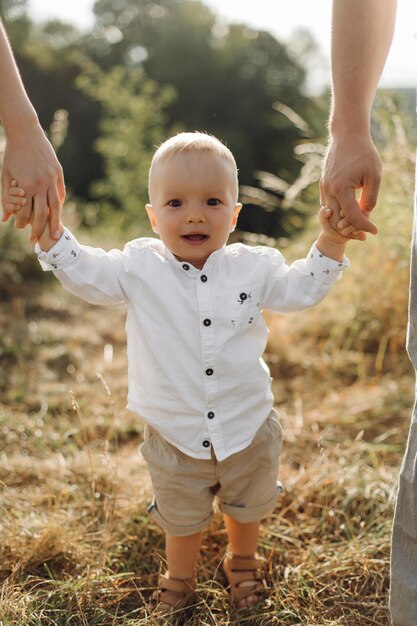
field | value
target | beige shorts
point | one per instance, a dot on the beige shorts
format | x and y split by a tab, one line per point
244	485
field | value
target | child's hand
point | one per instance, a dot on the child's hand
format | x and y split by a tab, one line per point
346	228
345	231
331	242
15	198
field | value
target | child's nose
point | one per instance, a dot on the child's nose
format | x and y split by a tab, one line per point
195	214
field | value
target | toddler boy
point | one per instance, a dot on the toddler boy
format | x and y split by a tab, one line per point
195	338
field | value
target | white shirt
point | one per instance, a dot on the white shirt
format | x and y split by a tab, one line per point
195	338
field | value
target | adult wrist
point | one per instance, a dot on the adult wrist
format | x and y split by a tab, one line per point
20	120
349	124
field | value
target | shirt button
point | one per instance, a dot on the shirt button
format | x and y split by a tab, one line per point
209	371
210	415
185	266
206	443
207	322
203	278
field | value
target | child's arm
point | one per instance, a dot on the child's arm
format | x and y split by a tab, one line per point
307	281
90	273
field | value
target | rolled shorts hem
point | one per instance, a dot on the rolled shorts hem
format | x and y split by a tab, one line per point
246	515
172	529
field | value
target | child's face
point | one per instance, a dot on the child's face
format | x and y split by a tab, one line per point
194	205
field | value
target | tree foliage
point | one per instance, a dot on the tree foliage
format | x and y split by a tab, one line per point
131	127
226	78
159	67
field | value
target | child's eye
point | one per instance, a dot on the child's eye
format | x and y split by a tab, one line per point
213	202
175	203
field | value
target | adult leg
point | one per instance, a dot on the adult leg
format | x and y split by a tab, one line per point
403	591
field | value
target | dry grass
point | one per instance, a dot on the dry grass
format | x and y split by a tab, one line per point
76	544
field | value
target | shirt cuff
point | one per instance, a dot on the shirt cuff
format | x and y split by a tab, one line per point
323	268
61	255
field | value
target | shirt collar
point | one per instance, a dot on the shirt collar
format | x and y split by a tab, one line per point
189	269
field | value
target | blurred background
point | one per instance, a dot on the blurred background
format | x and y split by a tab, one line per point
110	80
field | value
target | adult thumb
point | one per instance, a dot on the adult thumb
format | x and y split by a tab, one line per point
5	184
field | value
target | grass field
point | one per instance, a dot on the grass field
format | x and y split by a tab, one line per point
76	544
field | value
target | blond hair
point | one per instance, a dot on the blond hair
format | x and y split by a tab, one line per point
193	142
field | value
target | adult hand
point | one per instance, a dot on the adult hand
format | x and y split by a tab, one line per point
351	163
30	159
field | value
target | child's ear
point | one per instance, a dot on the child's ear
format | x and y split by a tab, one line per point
236	212
152	218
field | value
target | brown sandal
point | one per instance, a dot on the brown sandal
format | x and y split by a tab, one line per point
242	569
175	593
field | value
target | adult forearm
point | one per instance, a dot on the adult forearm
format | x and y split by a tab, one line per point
28	156
362	32
16	109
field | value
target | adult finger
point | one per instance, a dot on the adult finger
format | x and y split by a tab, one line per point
40	215
330	202
352	211
335	217
60	185
54	205
369	194
6	183
323	196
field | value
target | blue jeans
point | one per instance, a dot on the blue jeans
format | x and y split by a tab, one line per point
403	591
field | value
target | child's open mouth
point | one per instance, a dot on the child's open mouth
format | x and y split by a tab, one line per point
195	238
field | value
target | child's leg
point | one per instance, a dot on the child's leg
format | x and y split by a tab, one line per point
182	554
243	540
